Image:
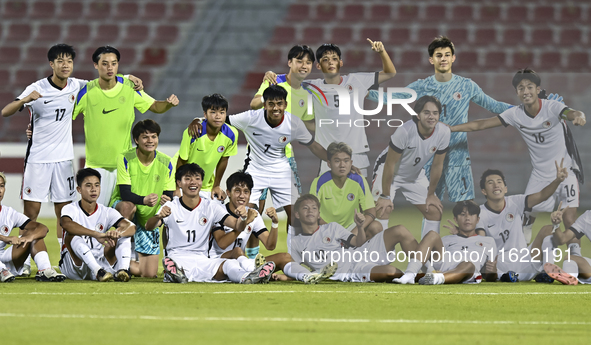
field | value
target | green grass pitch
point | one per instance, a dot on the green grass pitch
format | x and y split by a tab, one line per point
146	311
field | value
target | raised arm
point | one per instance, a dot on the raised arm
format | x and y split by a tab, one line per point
478	125
12	107
544	194
388	70
318	151
577	117
160	107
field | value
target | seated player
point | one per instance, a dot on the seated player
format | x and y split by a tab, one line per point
189	221
268	131
501	218
477	253
401	165
144	182
30	242
318	245
342	191
92	251
218	139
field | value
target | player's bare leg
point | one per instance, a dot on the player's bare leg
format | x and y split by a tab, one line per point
384	273
233	254
577	266
31	210
400	234
542	243
373	229
432	219
287	209
148	265
462	272
57	207
431	243
127	209
280	260
568	218
252	247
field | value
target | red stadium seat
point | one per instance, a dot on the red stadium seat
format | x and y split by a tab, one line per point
106	35
18	32
24	78
399	36
6	97
298	12
463	13
89	75
516	14
166	34
375	61
490	13
374	34
466	60
128	55
136	34
485	37
408	13
543	14
15	9
550	61
326	12
146	76
435	13
36	55
271	57
99	10
154	57
49	33
182	11
411	58
381	12
523	59
426	35
10	55
126	10
513	37
342	35
253	81
494	59
283	35
71	10
542	37
77	33
578	61
313	35
154	10
570	37
43	9
354	13
570	13
459	36
354	59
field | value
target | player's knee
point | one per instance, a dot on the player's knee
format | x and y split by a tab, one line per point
237	252
467	267
546	230
126	208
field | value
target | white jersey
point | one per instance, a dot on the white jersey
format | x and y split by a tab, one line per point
543	134
189	228
417	150
332	127
582	226
315	250
505	226
266	144
256	228
101	220
475	249
51	120
10	219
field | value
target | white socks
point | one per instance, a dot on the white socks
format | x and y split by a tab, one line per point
246	263
295	271
429	225
233	271
571	267
42	261
384	223
547	247
82	251
123	254
575	249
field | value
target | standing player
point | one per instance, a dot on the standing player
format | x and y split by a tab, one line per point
108	106
145	181
12	259
542	126
455	94
342	192
91	251
268	131
189	221
476	253
401	165
212	147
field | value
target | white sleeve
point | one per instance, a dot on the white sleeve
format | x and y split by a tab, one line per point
556	108
508	117
366	80
69	211
113	217
258	225
81	82
296	251
300	131
18	219
242	120
520	200
27	92
171	206
340	233
398	140
444	141
219	213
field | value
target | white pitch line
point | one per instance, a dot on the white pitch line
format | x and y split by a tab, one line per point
298	320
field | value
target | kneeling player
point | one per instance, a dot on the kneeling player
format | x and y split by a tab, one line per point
91	251
31	242
475	253
189	221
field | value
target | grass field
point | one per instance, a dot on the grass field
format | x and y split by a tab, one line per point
147	311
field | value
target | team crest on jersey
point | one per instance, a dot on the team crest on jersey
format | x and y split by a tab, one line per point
457	96
301	103
99	227
156	178
203	221
122	99
432	149
27	190
480	244
249	228
282	139
221	149
510	217
350	196
326	239
547	124
71	98
4	230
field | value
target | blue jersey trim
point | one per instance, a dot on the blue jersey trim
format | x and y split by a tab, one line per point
119	79
125	162
358	179
281	78
226	130
81	94
327	177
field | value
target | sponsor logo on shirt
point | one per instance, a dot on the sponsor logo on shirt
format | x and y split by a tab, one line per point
221	149
109	111
510	217
350	196
202	221
45	102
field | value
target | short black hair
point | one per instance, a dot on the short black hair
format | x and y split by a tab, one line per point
61	50
488	173
327	48
214	101
96	56
190	169
84	173
275	92
145	126
420	104
441	42
239	177
468	205
299	51
528	74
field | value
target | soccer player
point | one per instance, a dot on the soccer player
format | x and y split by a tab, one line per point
189	221
542	126
145	180
108	106
359	260
401	165
341	192
326	113
268	131
501	218
48	163
30	242
455	94
92	251
212	148
477	254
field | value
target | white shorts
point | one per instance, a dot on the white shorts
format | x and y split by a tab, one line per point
280	187
360	161
6	259
83	272
197	268
42	179
108	183
414	192
358	273
207	195
374	254
521	263
567	192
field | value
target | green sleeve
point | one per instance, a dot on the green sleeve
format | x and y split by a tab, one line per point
170	180
233	148
80	106
185	146
123	177
313	187
367	201
262	88
142	101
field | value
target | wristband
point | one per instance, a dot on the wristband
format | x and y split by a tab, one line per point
274	225
263	100
383	196
556	226
243	218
